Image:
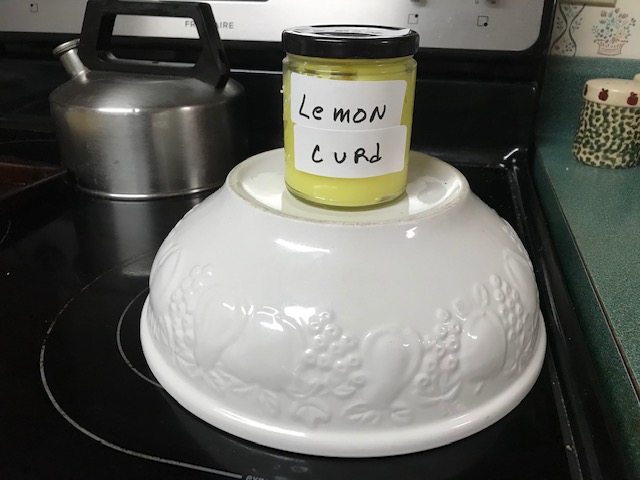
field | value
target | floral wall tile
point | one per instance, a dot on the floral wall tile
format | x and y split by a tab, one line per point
588	31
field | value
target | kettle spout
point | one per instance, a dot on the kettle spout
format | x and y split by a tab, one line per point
68	55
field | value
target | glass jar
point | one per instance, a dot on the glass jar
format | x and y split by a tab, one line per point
348	111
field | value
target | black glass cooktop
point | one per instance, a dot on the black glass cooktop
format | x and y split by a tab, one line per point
123	407
83	403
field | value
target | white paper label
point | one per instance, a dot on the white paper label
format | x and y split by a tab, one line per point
349	154
348	129
346	105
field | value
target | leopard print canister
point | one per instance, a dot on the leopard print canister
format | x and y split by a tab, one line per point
608	135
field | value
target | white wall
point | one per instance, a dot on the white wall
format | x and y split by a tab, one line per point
587	31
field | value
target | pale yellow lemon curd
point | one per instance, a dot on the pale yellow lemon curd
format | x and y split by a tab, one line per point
347	192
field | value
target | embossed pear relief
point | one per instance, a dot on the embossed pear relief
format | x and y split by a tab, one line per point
391	356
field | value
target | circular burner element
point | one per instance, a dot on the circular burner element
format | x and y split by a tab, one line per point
94	372
128	341
91	368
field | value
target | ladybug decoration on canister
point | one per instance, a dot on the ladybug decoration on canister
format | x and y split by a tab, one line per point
604	94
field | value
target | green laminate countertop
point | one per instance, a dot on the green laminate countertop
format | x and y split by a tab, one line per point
594	218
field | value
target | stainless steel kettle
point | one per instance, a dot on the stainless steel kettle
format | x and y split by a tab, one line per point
134	129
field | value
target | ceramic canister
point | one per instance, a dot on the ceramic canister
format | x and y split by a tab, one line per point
609	131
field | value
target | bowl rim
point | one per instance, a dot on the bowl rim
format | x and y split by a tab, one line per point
456	192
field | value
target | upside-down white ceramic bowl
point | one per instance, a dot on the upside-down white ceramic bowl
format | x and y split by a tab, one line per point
344	333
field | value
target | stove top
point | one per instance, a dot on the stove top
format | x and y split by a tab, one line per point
83	403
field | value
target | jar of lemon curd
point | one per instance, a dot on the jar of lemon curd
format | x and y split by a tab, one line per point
348	110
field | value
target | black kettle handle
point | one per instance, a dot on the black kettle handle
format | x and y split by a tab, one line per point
97	30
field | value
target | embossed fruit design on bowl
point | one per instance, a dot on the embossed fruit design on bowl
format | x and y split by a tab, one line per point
344	333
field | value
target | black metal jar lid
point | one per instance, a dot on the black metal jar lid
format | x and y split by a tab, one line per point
350	41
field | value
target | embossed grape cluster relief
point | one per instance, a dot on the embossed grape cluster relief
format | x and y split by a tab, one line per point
439	379
310	371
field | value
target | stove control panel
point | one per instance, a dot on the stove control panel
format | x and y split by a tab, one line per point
494	25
